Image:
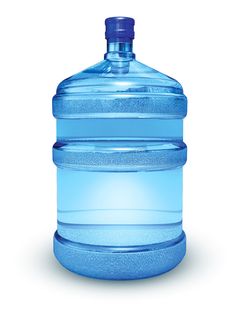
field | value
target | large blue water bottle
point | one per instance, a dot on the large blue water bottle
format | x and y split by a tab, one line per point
119	157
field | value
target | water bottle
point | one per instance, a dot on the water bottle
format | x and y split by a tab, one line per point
119	155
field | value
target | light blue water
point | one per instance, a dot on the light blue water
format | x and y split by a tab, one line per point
127	206
169	129
119	208
119	194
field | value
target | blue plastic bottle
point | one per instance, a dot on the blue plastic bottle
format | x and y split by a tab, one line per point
119	156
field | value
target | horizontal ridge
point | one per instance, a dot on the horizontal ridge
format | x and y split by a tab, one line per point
113	155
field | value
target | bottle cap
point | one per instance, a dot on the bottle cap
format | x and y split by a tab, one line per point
119	28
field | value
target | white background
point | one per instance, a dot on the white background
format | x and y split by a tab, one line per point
43	42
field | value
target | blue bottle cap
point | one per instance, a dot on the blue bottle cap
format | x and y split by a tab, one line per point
119	27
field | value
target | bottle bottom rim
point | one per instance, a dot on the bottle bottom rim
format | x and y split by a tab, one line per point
116	263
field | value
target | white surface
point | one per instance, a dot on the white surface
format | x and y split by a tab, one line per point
42	42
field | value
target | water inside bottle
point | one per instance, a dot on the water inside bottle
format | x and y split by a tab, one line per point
119	209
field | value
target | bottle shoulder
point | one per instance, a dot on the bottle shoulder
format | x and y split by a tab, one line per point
120	76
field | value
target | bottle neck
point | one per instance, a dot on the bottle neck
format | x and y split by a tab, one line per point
119	50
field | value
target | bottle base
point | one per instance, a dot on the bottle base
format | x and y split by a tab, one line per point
119	263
